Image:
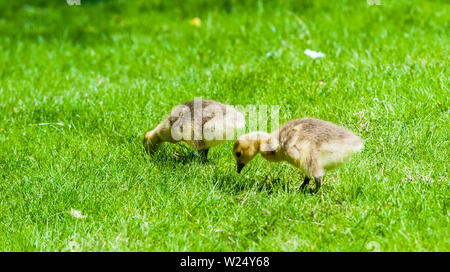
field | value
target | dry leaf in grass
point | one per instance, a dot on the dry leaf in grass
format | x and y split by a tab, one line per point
77	214
195	22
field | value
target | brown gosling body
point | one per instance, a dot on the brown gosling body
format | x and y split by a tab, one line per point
311	145
199	123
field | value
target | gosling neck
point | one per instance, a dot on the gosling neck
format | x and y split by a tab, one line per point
268	146
162	133
264	141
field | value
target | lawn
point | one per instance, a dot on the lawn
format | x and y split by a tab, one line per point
79	86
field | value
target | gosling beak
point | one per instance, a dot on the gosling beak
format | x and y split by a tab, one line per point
240	165
146	146
149	148
146	142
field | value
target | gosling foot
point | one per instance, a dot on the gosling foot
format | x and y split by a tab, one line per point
304	184
318	182
203	155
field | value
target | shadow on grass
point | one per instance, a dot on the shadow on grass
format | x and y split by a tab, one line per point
237	183
170	155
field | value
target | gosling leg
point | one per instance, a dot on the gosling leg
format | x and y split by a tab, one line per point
305	183
318	182
204	154
193	155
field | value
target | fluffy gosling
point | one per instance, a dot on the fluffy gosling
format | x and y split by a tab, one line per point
199	123
311	145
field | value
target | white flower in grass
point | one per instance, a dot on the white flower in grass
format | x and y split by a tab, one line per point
314	54
374	2
77	214
73	2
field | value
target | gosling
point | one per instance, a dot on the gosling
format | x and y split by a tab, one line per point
200	123
312	145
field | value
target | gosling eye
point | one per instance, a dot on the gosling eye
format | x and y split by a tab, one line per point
238	154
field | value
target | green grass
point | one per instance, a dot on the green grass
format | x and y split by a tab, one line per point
80	85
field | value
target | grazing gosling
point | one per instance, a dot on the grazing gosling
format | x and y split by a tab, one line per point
199	123
310	144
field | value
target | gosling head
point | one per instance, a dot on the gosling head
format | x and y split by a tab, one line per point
245	149
150	141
